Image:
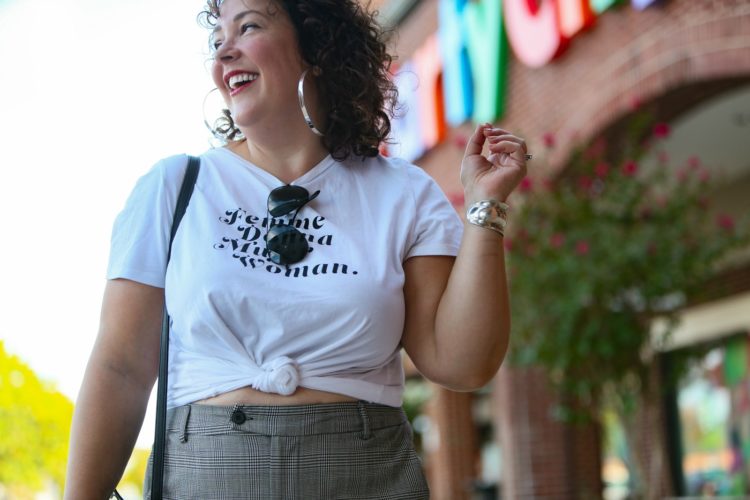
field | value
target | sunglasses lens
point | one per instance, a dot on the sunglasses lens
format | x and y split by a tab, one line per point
286	245
284	199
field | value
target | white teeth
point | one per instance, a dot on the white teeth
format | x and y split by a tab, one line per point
237	80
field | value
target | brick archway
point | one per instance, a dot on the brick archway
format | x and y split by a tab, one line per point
627	58
673	55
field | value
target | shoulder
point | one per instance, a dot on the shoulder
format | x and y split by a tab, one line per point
176	164
170	170
161	180
381	162
170	167
389	168
414	178
397	183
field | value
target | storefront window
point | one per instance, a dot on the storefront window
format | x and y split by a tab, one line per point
713	403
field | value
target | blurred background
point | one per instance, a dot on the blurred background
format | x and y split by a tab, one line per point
92	93
628	245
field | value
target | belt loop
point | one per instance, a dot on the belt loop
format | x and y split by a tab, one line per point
366	433
183	432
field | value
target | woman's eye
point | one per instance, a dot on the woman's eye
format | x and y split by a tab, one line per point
243	29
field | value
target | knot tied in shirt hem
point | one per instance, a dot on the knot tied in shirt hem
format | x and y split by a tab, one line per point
280	376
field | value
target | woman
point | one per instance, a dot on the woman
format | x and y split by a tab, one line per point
289	306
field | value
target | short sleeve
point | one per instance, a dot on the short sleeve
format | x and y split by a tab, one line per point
140	234
437	228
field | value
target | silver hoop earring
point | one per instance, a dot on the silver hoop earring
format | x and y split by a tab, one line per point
301	97
224	129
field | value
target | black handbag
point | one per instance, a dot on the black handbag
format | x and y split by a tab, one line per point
157	477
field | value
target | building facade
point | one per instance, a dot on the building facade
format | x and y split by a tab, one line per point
568	72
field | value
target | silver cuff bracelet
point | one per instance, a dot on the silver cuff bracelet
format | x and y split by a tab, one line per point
489	214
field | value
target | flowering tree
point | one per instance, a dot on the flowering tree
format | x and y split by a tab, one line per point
34	424
601	251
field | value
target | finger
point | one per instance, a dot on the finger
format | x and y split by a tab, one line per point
494	158
503	137
508	137
476	142
501	134
494	131
508	147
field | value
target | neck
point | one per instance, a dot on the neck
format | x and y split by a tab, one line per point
286	156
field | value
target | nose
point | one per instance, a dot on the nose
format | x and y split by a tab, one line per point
226	52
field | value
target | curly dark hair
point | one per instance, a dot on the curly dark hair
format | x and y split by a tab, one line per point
342	39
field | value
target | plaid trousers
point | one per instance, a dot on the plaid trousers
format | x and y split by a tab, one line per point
332	451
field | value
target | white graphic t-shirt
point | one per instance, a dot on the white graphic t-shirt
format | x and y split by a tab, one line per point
330	322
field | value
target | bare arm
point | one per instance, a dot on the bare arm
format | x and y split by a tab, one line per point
457	311
116	386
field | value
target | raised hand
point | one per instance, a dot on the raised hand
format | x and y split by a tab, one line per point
496	175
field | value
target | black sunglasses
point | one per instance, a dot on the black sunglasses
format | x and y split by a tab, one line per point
285	244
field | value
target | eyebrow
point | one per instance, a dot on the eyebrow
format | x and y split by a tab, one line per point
237	18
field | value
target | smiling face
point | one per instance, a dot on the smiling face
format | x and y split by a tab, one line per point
257	64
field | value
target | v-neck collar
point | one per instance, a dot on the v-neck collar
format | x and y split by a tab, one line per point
316	171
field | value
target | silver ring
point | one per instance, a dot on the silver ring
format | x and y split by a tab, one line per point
528	157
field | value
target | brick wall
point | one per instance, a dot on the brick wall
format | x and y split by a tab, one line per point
627	57
543	457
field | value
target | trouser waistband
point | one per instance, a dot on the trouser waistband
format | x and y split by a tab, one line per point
297	420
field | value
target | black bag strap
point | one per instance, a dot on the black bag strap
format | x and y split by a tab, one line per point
157	477
188	183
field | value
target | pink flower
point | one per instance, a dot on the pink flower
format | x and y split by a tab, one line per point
704	176
582	247
630	168
694	162
549	139
508	244
663	157
557	240
661	130
526	185
585	182
725	222
601	169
